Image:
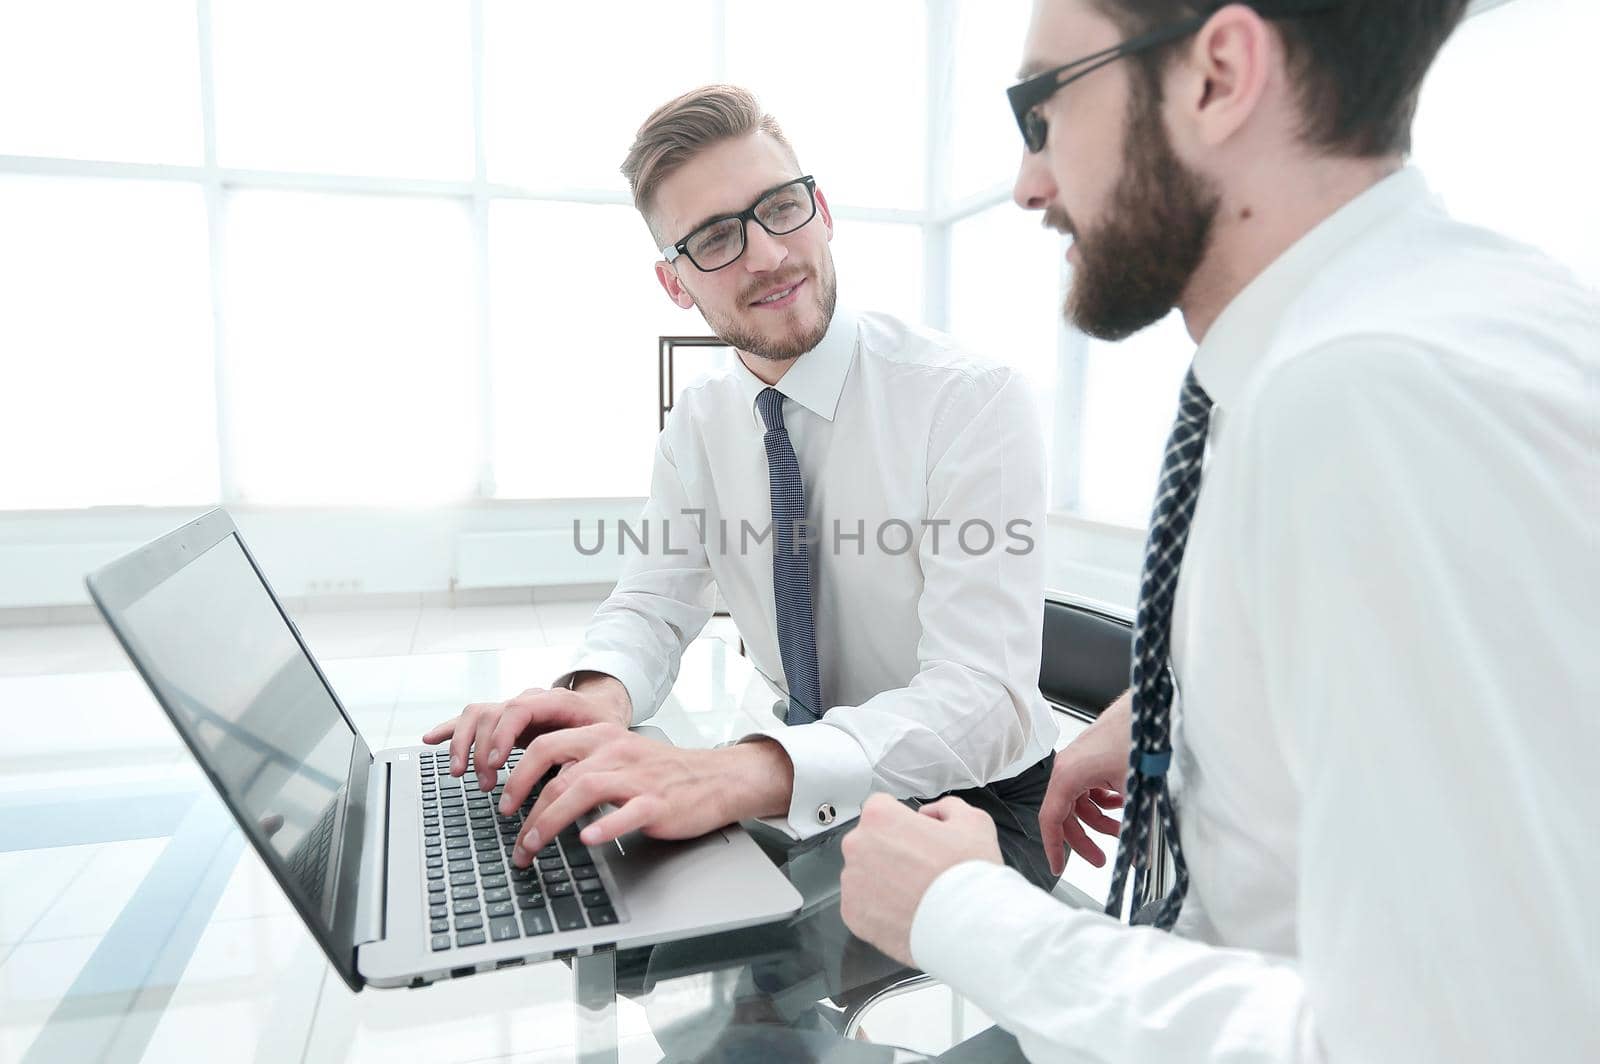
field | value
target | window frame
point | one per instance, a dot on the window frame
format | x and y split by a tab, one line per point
217	182
936	219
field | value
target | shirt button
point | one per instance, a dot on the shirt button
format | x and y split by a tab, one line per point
826	814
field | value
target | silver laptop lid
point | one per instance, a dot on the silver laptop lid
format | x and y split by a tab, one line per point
200	623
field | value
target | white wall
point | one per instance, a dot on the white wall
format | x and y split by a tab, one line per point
322	553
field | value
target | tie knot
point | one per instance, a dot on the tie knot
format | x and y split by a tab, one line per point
770	403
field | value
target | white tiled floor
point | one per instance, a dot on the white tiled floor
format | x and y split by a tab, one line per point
253	982
91	903
30	883
33	981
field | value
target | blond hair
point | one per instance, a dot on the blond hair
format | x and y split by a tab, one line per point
681	128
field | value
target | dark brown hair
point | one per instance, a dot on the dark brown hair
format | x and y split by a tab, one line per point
1358	67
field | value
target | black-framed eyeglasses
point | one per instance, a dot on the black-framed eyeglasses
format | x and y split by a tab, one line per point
779	210
1026	96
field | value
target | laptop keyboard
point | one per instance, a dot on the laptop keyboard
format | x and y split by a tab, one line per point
475	895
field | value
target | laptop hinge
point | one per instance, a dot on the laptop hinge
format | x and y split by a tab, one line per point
373	884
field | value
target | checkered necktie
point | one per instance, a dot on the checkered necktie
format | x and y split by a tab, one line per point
791	567
1151	752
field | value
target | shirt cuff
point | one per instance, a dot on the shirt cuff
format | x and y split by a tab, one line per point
832	777
641	692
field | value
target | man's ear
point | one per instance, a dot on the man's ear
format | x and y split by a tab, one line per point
827	215
673	285
1227	73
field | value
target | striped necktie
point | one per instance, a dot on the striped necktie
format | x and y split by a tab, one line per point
791	567
1147	795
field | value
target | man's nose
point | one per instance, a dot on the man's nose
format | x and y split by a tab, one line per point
1035	187
763	252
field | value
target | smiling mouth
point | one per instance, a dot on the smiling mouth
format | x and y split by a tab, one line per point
779	296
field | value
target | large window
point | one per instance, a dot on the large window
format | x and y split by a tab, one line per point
379	252
981	59
1005	297
92	80
349	375
574	407
1504	129
849	82
108	395
567	84
378	87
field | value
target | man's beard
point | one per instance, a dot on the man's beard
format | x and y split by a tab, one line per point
1133	268
825	295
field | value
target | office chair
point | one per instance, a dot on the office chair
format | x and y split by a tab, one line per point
1088	647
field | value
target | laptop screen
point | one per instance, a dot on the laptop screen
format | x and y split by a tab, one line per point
229	668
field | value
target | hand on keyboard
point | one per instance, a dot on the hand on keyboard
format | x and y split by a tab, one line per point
660	789
472	893
490	730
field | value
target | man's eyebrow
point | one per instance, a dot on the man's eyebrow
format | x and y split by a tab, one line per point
1033	67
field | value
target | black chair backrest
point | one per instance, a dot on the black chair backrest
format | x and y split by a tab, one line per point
1087	651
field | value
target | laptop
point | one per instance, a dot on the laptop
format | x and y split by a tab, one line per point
401	872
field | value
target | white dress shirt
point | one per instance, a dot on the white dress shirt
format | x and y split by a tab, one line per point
1385	638
924	480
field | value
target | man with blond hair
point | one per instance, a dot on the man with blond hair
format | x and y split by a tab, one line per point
865	496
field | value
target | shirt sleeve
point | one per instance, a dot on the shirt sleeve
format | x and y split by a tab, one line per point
1426	692
969	712
1078	986
661	602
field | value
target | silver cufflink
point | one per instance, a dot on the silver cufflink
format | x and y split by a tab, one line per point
826	814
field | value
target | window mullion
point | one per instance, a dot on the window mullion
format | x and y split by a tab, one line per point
1072	356
941	15
211	181
485	479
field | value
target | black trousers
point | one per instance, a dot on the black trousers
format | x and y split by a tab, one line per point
1014	806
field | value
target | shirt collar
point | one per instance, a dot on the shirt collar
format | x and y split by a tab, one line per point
1239	338
816	380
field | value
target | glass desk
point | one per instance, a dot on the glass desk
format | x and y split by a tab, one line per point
136	924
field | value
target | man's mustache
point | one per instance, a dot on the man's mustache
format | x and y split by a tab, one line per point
1057	219
756	291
